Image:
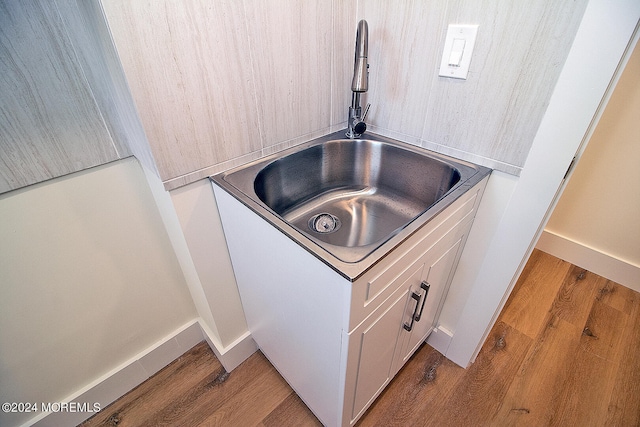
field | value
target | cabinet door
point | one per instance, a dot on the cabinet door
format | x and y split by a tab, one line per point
430	289
375	343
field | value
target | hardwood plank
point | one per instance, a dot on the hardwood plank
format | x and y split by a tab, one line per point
533	394
190	389
535	293
601	334
624	406
216	395
619	297
576	295
586	393
162	390
588	389
425	376
475	398
252	404
291	412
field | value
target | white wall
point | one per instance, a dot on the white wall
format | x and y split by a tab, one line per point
197	212
595	223
88	279
495	199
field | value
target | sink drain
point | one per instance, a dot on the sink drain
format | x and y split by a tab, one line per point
324	223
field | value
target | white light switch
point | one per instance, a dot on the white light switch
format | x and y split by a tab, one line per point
456	52
458	47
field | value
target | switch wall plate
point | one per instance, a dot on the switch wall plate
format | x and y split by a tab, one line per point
457	52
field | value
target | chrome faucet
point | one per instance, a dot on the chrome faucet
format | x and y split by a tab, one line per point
360	83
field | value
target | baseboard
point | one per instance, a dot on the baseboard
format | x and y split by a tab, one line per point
440	338
233	354
139	368
590	259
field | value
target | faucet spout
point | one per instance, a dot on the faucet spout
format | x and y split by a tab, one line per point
359	83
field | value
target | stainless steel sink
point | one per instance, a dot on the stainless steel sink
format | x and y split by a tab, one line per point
371	188
345	198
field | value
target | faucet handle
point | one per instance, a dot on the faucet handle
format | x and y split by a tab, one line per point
366	110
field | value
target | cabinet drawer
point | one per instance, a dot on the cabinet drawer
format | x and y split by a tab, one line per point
376	285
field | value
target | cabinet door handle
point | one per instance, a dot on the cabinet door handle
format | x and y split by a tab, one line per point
409	326
424	285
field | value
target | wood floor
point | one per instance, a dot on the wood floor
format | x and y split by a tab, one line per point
564	352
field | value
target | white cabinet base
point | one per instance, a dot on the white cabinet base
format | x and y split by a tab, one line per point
338	343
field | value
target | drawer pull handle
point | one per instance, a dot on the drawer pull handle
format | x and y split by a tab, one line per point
424	285
409	326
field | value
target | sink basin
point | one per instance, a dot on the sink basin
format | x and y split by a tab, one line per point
369	188
345	199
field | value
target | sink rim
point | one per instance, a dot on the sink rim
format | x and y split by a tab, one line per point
239	182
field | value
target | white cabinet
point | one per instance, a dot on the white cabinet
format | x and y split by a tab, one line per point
373	345
436	275
388	337
339	343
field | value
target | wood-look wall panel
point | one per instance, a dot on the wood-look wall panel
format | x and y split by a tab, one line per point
89	33
344	38
404	48
519	52
224	82
50	124
89	37
188	68
524	58
291	53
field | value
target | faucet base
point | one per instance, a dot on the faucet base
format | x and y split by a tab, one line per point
356	131
355	124
352	135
